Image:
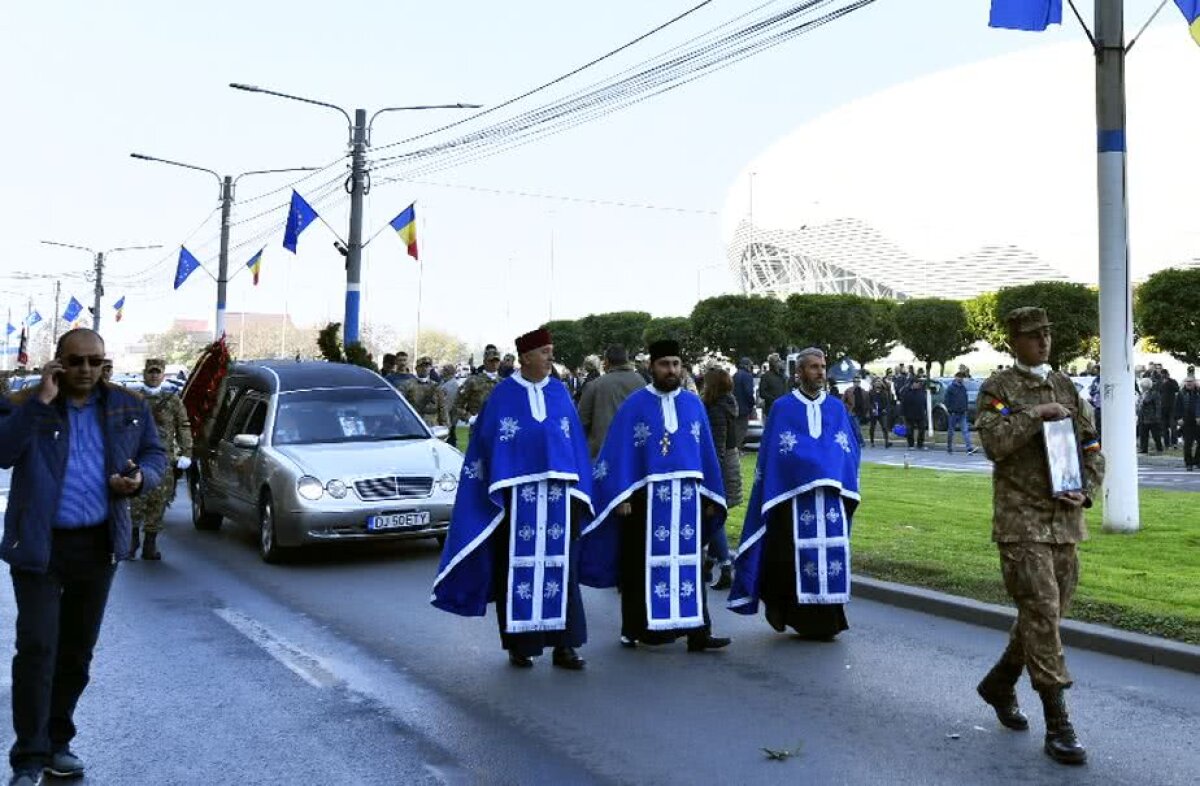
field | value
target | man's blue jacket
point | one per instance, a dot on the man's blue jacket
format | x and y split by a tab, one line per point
33	442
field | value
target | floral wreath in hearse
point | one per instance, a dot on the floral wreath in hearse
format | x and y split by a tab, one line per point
205	385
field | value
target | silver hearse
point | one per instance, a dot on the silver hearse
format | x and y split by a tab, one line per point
314	452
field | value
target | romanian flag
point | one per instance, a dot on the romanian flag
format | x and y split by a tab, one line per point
1000	407
405	225
119	306
255	264
1191	12
1091	446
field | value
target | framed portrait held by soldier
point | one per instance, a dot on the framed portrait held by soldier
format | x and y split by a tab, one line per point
1062	457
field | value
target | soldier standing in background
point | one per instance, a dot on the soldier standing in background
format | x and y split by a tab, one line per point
1036	532
424	393
475	391
175	434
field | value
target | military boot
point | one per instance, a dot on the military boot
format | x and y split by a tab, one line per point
1061	743
134	542
150	547
998	689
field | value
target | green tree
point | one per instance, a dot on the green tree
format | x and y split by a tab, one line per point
738	326
616	327
843	325
935	329
1073	308
177	345
984	320
677	329
569	346
1167	312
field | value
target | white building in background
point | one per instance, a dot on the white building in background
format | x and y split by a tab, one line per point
972	179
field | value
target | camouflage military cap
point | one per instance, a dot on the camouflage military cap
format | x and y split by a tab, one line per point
491	354
424	360
1026	320
155	364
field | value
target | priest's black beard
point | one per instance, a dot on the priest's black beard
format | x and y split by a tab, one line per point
667	384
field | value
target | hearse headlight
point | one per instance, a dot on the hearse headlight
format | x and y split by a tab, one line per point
310	488
447	483
336	489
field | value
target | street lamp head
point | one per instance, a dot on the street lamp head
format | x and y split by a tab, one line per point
240	86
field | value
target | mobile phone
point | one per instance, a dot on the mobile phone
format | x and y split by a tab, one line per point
130	471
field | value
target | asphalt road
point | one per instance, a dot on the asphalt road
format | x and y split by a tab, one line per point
215	668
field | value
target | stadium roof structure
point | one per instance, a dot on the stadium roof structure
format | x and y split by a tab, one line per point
971	179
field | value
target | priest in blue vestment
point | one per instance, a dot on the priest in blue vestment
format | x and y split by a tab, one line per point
660	496
523	497
795	549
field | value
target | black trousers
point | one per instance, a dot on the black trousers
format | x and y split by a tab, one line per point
1190	432
58	622
1146	430
915	434
882	421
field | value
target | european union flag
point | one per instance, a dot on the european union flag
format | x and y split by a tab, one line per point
300	215
1034	15
33	319
74	309
10	330
1191	12
186	266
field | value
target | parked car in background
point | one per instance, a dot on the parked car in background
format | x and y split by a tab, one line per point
315	453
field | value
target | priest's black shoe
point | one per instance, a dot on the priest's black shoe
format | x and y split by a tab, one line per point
1061	742
700	644
568	658
997	690
520	661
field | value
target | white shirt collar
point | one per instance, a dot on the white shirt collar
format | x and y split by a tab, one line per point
670	416
537	395
1042	371
491	374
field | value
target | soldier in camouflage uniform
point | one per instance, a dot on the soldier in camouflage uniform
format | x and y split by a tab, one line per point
176	436
475	391
425	395
1035	531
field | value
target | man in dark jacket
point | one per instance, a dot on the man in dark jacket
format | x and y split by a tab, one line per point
1168	390
603	396
79	449
772	384
956	413
1187	417
743	391
915	408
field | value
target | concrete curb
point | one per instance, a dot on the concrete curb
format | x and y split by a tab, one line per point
1099	638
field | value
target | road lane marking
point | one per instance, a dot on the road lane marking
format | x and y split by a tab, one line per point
308	667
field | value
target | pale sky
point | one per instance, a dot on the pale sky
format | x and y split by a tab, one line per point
87	83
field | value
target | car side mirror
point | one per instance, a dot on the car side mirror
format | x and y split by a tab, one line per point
440	432
249	441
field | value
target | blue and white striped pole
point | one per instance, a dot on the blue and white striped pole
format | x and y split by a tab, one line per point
1116	294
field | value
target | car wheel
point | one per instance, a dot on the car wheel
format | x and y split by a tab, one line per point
202	519
939	420
268	545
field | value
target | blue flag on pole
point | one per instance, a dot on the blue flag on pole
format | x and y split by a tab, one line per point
10	330
300	215
74	309
33	319
187	264
1034	15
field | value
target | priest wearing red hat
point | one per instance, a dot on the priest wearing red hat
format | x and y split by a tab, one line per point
523	497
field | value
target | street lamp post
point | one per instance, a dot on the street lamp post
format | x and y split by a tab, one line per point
227	184
358	186
98	259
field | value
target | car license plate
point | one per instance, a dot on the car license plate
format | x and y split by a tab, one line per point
412	520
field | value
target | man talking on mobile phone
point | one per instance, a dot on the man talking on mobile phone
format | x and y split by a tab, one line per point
79	448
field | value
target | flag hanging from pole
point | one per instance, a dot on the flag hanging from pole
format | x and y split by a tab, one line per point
186	266
255	264
1035	15
33	318
9	330
119	307
1191	12
74	309
22	350
300	215
405	225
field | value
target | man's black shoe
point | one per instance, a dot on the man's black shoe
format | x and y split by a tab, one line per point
1061	743
25	778
65	764
708	643
567	658
628	643
1004	701
520	661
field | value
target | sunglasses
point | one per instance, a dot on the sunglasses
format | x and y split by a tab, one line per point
75	361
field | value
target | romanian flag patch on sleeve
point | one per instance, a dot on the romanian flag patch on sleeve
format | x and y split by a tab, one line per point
1000	406
1091	446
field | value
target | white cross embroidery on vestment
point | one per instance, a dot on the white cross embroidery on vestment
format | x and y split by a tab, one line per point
508	428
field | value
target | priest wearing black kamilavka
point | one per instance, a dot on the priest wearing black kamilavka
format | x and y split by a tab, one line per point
659	497
795	550
523	496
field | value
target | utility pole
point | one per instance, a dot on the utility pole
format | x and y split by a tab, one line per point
1116	308
227	183
98	291
57	295
358	188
